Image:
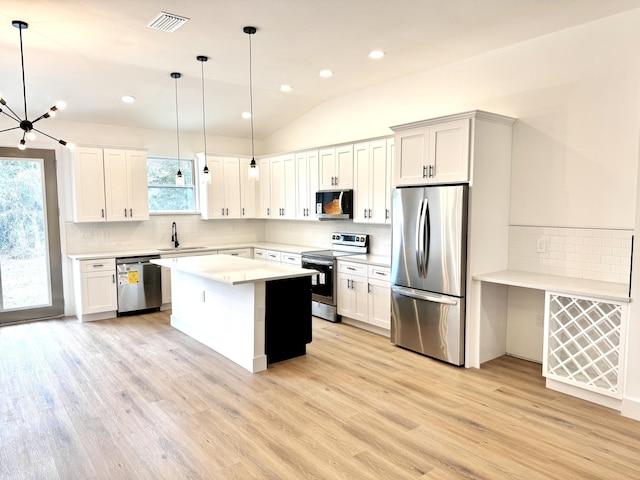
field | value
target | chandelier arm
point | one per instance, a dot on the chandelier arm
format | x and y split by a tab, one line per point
24	84
59	140
44	115
13	115
9	129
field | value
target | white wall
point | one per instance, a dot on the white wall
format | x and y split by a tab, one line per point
157	142
575	95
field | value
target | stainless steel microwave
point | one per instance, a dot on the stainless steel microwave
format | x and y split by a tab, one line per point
334	205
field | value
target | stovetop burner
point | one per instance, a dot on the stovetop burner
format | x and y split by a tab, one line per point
343	244
329	253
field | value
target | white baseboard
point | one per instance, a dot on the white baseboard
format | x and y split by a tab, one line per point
631	408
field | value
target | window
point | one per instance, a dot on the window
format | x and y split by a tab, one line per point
164	194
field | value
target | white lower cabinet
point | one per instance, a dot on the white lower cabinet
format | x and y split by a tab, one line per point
584	343
364	293
96	290
277	256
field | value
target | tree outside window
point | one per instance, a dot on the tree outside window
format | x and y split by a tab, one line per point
164	194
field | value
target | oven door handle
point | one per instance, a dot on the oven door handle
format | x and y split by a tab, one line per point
309	263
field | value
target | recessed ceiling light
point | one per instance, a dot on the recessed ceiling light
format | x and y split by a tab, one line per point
326	73
285	88
246	115
376	54
128	98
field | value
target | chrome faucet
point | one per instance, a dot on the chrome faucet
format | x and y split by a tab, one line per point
174	234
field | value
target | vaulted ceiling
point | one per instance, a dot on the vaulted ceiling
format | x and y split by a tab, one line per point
91	52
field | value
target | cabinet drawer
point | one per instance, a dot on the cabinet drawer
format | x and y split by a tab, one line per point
259	254
292	259
274	256
381	273
359	269
237	252
106	264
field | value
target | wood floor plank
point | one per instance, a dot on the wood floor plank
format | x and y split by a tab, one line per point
133	398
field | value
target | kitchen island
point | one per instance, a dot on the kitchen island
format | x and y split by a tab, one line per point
254	313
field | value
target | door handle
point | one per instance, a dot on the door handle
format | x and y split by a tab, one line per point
411	293
131	213
125	213
102	210
424	171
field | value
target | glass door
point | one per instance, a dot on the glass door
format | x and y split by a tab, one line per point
30	257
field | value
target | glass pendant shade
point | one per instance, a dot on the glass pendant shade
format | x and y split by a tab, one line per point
179	179
254	174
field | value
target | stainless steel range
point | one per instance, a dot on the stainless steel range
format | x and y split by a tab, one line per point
324	284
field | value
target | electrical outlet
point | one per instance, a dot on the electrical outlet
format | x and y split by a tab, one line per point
541	245
539	321
88	234
105	233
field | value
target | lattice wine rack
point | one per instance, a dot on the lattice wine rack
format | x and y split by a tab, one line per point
584	343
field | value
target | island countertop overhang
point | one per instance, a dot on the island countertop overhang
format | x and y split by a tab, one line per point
233	270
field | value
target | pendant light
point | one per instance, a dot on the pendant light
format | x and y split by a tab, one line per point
26	125
206	177
179	177
253	167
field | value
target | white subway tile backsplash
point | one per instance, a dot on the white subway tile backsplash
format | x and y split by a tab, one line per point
598	254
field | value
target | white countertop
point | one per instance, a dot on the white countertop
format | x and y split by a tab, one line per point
556	283
233	270
369	259
202	249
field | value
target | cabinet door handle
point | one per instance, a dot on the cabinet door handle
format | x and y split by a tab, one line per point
369	213
365	213
386	214
102	210
222	211
368	288
113	278
351	268
348	283
98	265
268	211
131	213
125	213
243	211
430	171
227	212
424	171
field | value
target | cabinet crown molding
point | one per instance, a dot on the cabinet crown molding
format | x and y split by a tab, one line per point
478	114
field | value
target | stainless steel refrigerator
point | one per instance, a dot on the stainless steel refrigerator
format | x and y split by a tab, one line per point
428	270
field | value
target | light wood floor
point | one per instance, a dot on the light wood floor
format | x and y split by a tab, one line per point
132	398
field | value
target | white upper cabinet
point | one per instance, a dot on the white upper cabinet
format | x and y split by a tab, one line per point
429	153
307	184
336	167
109	185
221	197
88	185
283	187
126	192
264	187
371	182
248	201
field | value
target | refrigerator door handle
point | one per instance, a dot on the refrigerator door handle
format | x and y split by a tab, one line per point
426	244
410	292
422	259
419	239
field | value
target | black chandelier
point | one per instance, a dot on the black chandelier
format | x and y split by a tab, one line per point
25	124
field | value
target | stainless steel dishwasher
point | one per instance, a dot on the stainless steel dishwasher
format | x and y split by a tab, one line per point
139	286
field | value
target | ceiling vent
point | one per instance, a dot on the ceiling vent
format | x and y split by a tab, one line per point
167	22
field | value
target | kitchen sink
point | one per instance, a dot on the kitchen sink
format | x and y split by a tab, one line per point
180	249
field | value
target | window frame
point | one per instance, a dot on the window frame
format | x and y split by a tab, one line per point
195	186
